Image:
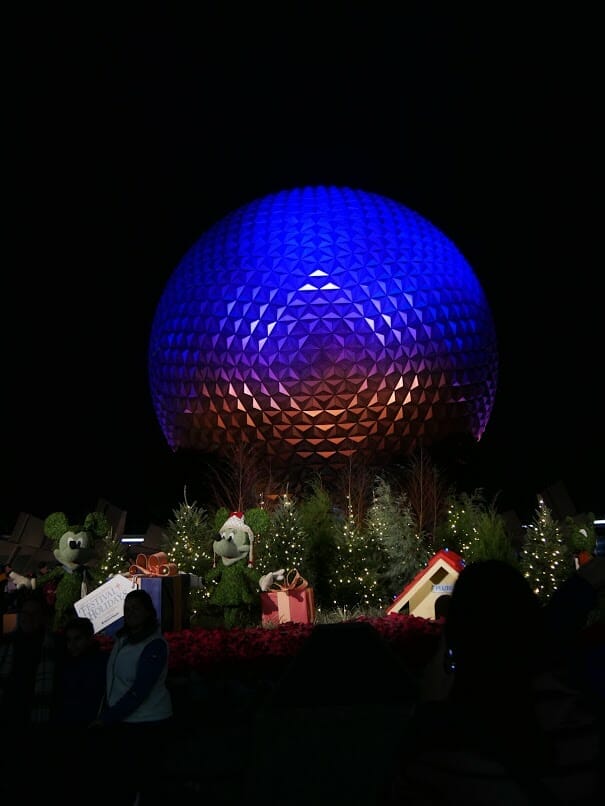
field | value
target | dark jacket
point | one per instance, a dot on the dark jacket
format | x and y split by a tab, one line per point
82	687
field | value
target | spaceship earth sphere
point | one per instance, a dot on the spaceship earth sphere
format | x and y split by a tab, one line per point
321	324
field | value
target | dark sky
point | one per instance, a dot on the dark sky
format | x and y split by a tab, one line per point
129	133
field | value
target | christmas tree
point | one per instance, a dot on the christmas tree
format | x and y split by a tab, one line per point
476	531
355	583
111	557
319	560
546	559
391	525
188	541
284	545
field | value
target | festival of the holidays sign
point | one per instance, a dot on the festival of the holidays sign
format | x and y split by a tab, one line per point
106	603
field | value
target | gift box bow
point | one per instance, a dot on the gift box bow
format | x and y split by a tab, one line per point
156	565
292	582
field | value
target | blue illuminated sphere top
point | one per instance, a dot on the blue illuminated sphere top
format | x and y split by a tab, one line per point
320	324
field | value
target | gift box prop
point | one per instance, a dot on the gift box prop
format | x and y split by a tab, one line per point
168	588
289	601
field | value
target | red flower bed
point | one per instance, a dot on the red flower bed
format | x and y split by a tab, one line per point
205	651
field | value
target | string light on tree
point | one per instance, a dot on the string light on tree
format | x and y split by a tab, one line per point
112	556
188	538
358	560
391	523
546	559
285	544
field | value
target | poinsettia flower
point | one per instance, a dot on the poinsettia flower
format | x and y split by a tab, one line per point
204	650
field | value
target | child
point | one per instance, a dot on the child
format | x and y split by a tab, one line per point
82	675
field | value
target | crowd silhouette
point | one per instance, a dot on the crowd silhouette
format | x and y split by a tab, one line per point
510	710
520	720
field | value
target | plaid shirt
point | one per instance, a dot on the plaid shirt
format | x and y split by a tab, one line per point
41	709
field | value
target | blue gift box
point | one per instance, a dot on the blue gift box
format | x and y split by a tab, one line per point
111	629
170	595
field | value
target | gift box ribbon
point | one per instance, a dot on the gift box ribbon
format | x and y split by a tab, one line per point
293	582
156	565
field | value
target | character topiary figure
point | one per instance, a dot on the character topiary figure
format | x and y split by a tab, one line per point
234	583
76	575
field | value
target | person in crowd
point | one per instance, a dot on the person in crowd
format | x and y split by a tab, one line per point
49	588
575	624
28	679
506	730
13	584
135	720
82	675
28	658
81	692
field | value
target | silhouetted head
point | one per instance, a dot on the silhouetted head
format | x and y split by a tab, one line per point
79	636
494	622
140	615
33	612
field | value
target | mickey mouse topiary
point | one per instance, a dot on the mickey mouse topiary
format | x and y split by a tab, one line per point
235	584
76	575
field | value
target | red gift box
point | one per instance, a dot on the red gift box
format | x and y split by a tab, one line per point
292	601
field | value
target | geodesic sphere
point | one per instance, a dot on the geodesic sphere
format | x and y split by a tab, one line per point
322	323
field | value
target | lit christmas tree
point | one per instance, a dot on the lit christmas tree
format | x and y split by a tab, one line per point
476	531
391	525
317	520
355	583
189	539
111	557
259	520
189	544
459	531
284	543
546	560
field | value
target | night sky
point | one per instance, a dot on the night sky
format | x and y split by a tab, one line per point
129	133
